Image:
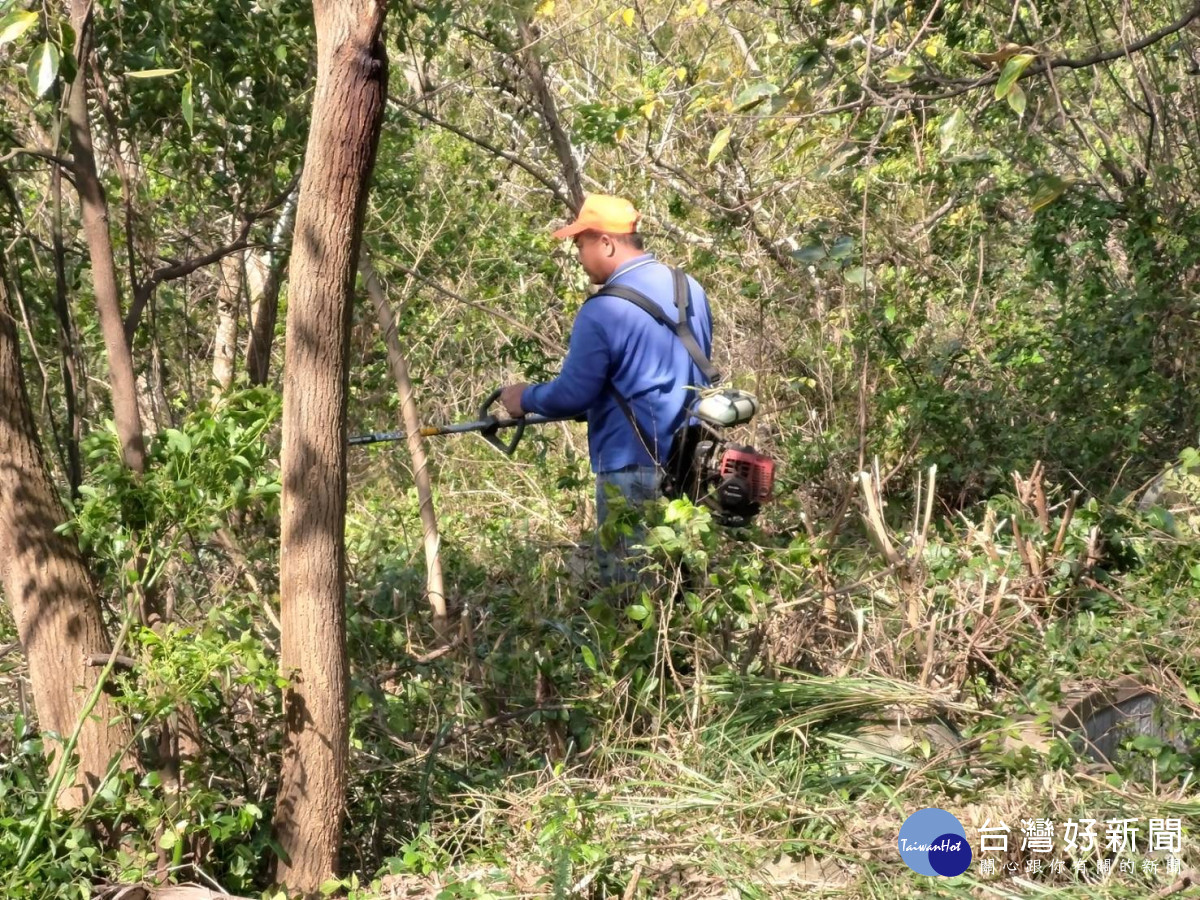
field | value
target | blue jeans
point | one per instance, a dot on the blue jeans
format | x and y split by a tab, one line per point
621	494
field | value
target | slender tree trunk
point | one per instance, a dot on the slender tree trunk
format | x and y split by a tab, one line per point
262	329
229	296
48	587
67	341
347	111
434	585
266	310
127	416
94	211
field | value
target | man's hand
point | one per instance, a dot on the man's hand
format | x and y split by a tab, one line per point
510	398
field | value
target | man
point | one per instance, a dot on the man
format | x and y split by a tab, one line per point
618	350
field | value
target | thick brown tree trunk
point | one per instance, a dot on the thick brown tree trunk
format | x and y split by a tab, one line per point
48	587
94	212
434	585
347	110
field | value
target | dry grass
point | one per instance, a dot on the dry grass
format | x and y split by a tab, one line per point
790	782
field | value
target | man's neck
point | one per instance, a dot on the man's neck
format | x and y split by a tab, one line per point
625	259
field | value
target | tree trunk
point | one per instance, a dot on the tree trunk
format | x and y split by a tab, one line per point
126	398
67	338
266	310
94	212
229	296
434	586
262	329
48	587
347	111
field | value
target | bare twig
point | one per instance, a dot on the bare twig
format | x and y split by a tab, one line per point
1068	514
422	659
532	64
874	518
1175	887
96	660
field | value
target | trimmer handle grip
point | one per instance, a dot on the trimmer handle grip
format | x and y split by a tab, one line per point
491	431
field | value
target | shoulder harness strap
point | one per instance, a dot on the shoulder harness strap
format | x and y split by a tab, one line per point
682	329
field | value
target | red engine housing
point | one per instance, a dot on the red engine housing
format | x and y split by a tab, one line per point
756	469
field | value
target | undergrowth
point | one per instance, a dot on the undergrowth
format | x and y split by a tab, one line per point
758	722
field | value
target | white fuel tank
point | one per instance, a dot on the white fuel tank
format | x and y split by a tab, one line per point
726	408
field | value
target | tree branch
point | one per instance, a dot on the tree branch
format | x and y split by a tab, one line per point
181	269
546	342
96	660
961	86
1062	62
178	270
41	153
529	61
533	170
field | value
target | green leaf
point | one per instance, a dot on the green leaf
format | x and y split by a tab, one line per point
66	66
151	73
177	440
857	275
168	840
661	534
899	74
1161	519
1050	190
719	143
949	129
842	247
589	658
637	612
1016	99
1012	71
186	103
43	67
66	37
810	254
16	24
754	95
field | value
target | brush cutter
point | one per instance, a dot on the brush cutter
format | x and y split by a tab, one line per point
732	480
487	425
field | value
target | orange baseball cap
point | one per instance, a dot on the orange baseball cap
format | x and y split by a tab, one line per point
604	213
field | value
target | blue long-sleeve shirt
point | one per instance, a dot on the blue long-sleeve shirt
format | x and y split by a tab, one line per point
616	345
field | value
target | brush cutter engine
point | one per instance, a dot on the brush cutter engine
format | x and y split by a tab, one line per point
732	480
